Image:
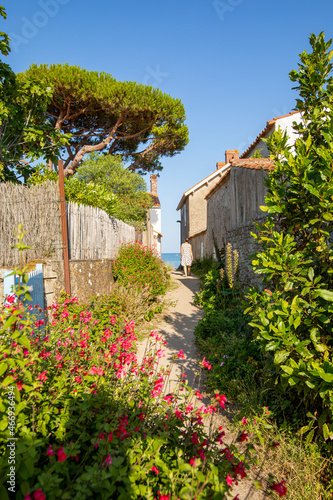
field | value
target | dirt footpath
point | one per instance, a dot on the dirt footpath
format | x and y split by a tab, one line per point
178	330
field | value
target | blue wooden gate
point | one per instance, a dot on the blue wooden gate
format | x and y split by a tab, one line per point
36	290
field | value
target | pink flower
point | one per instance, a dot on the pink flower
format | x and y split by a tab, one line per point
229	480
61	454
27	497
280	488
42	376
50	451
192	462
100	371
221	399
181	354
108	460
39	495
154	469
199	395
244	421
206	364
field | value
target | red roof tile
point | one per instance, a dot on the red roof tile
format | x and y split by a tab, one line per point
253	163
155	199
262	134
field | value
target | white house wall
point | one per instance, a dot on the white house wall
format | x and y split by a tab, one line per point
286	124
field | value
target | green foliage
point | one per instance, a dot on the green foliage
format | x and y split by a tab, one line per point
139	267
128	187
24	134
90	421
200	267
257	154
225	337
94	195
293	318
136	121
219	288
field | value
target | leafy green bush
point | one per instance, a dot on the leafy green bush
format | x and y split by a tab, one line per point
138	267
91	421
293	316
225	337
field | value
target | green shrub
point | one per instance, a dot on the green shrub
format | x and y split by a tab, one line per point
225	337
138	267
90	421
293	316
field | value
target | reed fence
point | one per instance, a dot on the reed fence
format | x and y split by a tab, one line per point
92	234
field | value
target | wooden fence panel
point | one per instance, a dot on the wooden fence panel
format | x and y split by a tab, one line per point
37	208
93	234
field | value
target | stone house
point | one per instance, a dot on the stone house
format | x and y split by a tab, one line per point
193	208
155	215
285	122
232	207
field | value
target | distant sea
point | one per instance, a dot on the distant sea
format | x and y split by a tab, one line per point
172	258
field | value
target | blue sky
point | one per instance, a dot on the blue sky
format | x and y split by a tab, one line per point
227	60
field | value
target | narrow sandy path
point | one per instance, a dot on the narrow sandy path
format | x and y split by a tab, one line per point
178	330
178	327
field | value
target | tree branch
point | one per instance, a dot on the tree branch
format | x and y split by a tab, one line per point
73	165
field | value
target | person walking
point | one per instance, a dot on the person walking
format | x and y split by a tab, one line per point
186	257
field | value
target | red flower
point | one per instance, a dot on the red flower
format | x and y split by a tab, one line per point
11	299
39	495
181	354
192	462
280	488
61	454
244	437
154	469
244	421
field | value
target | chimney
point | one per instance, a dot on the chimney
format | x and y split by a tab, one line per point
231	154
153	184
220	164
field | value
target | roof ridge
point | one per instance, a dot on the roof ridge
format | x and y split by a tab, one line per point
269	125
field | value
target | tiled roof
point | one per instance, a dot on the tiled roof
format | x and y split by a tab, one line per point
262	134
216	187
253	163
155	199
197	234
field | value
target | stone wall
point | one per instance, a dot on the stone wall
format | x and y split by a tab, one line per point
231	210
242	240
88	277
218	216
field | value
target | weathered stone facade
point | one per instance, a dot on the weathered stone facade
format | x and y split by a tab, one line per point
193	206
88	277
233	206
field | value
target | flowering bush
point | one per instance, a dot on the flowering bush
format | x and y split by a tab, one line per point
139	267
91	420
